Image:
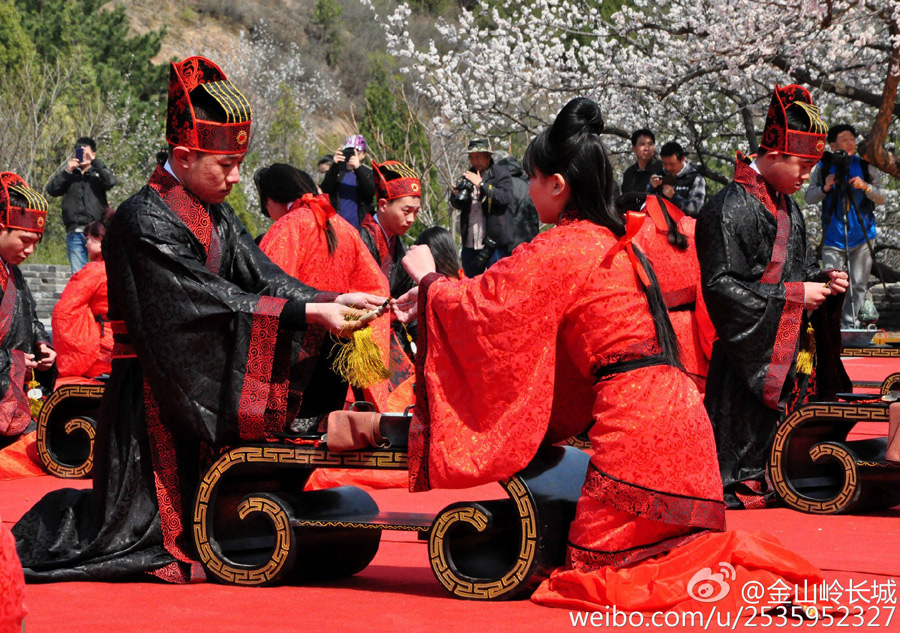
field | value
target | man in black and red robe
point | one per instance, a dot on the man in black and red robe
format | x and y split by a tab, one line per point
761	284
25	351
205	354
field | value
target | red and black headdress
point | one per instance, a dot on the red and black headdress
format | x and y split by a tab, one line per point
395	180
198	80
777	136
33	216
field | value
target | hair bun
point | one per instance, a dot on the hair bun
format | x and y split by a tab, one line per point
578	118
589	111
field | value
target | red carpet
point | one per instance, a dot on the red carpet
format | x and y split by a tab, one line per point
397	592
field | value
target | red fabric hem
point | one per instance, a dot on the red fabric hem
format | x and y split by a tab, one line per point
655	505
419	431
784	349
262	408
588	560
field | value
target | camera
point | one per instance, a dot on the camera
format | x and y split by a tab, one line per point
841	161
348	152
483	256
464	189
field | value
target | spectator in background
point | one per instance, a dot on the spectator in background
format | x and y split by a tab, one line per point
483	195
523	220
842	178
682	183
83	183
324	165
349	183
636	178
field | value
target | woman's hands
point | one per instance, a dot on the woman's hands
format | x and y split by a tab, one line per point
418	262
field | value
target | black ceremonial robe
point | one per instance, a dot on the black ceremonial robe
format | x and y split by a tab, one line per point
203	358
754	258
20	333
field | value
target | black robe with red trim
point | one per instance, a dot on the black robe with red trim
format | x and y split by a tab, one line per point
20	334
754	258
208	361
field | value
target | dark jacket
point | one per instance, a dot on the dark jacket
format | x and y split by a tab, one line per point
496	195
365	188
523	221
690	190
637	180
84	194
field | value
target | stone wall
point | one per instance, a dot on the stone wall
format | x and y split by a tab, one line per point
888	310
46	282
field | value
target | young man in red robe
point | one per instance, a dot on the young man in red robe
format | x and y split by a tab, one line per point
760	282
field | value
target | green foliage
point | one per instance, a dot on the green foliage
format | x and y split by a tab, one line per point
14	41
71	68
325	21
96	41
238	201
286	131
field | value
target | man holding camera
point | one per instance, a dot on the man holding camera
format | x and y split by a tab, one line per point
483	194
637	177
82	182
682	184
349	183
849	189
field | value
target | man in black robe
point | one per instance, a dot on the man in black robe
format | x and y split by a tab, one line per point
25	352
205	354
759	282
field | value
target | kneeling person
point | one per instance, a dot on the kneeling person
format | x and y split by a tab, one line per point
25	352
204	353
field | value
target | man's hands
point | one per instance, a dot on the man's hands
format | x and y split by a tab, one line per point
815	293
856	182
43	360
333	317
87	157
474	177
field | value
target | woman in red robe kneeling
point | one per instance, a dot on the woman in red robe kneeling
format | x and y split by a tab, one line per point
81	335
573	329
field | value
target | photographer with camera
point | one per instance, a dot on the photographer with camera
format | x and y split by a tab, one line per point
849	189
680	182
483	194
349	183
82	182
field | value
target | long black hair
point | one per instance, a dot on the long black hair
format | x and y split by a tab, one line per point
572	148
284	183
439	240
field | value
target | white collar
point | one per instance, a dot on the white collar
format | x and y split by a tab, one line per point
168	168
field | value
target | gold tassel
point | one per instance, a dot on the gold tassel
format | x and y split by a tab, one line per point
35	397
358	360
807	352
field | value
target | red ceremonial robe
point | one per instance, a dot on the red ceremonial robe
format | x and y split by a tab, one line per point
557	338
678	274
298	244
12	585
82	338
